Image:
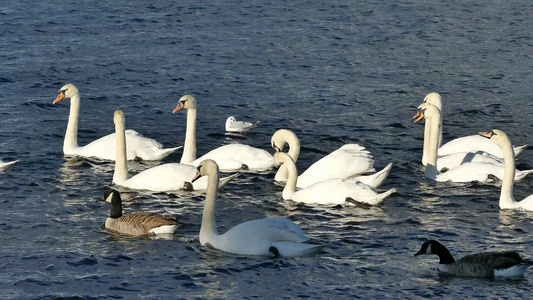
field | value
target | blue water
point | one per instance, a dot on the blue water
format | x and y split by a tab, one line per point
334	72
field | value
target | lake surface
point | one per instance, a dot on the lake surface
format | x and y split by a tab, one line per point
334	72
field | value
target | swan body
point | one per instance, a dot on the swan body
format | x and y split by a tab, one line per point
507	200
232	125
139	146
5	165
351	160
466	172
267	237
136	224
329	191
162	178
486	264
232	157
470	143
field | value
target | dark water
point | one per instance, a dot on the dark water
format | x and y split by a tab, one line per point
333	71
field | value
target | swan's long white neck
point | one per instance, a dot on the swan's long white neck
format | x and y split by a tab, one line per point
189	149
71	136
208	230
433	145
290	186
287	137
506	195
121	171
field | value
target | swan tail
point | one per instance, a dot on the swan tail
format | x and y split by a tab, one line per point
519	175
520	149
6	165
226	180
159	154
376	179
291	249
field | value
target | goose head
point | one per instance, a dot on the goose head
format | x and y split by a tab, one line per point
67	91
434	98
187	102
113	196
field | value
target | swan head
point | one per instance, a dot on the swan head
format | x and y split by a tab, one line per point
67	91
281	137
118	117
187	102
435	99
425	110
206	167
113	196
497	136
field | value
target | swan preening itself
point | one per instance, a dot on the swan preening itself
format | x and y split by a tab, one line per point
467	171
487	264
5	165
268	237
232	125
136	223
471	143
329	191
232	157
507	200
162	178
139	147
349	161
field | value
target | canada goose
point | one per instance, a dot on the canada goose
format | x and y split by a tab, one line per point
486	264
136	224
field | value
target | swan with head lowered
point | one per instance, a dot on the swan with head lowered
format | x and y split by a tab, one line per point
349	161
139	147
329	191
277	236
470	143
5	165
465	172
162	178
231	157
507	200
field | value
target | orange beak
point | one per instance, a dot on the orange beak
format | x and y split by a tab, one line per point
487	134
419	116
59	97
180	106
198	175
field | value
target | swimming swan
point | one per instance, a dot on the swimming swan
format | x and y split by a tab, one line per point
507	200
466	172
104	148
136	223
486	264
231	157
330	191
471	143
351	160
162	178
268	237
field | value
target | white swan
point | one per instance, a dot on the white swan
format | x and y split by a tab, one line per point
136	224
5	165
232	157
330	191
507	200
466	172
351	160
104	148
471	143
162	178
268	237
232	125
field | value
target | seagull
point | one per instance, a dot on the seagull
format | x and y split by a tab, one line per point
232	125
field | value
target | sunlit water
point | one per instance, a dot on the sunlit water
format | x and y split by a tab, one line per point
333	72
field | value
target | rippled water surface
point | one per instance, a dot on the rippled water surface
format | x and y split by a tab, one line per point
334	72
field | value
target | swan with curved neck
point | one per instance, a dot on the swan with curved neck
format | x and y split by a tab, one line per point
507	200
351	160
466	172
330	191
231	157
103	148
162	178
276	236
471	143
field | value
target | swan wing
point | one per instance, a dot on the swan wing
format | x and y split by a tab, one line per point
233	157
